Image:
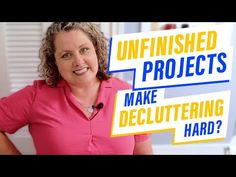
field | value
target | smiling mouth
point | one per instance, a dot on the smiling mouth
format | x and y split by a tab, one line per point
81	71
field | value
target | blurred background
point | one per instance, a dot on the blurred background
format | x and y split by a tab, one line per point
19	45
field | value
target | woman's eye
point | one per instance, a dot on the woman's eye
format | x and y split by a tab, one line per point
66	55
84	50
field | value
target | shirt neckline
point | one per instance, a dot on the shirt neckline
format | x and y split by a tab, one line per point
102	97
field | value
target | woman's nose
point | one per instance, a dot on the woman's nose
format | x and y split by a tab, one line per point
77	59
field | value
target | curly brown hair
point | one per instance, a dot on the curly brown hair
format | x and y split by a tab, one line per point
48	68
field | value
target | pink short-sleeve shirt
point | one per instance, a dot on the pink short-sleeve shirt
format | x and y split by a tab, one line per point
57	124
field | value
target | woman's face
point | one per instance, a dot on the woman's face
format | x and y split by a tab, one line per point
76	58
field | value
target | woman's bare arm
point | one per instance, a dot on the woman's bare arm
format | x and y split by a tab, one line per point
6	146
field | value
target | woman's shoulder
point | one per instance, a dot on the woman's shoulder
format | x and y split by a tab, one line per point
119	83
39	84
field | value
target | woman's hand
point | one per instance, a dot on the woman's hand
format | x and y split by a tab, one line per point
143	148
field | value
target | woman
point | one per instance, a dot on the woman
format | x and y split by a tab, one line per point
70	111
